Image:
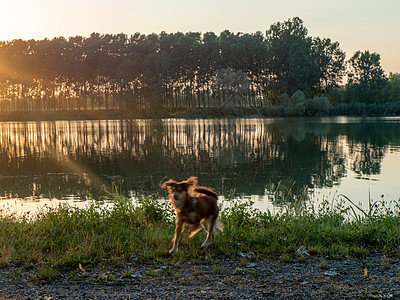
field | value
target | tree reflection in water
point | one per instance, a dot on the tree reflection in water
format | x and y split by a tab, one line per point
251	156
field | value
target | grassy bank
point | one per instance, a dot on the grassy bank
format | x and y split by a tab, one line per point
67	238
288	109
72	115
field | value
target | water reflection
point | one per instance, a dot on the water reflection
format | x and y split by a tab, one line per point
70	159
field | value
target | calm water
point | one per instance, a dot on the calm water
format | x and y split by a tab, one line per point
51	162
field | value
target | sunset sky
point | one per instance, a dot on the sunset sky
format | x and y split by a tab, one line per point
355	24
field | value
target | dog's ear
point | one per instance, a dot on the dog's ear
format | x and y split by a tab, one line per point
191	180
168	183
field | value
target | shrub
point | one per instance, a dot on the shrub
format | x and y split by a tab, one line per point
294	105
318	106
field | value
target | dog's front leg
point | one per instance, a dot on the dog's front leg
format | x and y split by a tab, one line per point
178	233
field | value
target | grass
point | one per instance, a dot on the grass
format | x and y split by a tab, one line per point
68	238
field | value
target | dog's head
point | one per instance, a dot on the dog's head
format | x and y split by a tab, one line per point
180	190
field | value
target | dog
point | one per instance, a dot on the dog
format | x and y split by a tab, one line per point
195	206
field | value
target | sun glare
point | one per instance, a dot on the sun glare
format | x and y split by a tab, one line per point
8	23
5	20
17	19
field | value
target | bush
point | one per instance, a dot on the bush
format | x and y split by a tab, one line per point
317	106
294	106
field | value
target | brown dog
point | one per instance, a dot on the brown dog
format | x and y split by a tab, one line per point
198	212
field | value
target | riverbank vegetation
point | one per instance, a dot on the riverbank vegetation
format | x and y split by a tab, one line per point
68	238
283	72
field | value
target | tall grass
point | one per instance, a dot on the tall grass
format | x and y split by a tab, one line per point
67	237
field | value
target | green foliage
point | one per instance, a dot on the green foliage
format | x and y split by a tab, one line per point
297	105
155	211
166	71
159	75
371	109
318	106
300	62
331	62
294	105
366	79
365	67
231	85
69	238
289	52
393	87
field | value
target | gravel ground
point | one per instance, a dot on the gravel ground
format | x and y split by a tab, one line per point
374	277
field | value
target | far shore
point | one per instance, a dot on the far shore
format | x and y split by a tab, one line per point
351	109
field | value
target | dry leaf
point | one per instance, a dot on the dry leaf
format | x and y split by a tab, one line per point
80	267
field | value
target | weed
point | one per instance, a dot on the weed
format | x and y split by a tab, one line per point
155	273
126	274
323	265
228	280
335	287
198	272
140	231
386	262
47	273
286	258
106	278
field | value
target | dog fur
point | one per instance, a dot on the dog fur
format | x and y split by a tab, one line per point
195	206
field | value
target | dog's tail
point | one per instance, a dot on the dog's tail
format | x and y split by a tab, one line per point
218	225
205	191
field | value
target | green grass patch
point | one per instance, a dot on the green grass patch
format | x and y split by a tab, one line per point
69	238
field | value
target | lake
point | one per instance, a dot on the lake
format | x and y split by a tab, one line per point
46	163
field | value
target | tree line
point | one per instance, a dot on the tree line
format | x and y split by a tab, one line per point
184	70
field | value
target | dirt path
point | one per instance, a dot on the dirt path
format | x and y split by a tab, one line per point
314	278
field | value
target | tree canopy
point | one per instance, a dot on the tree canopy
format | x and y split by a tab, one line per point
176	70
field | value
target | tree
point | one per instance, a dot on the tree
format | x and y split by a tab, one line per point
230	85
175	70
366	78
365	68
330	60
394	87
290	57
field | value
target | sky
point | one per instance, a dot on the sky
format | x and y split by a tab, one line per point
356	24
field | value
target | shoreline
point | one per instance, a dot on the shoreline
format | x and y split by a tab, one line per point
353	110
121	252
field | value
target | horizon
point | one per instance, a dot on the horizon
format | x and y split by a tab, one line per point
356	25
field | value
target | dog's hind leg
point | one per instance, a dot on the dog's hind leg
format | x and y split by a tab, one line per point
209	226
195	228
178	233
